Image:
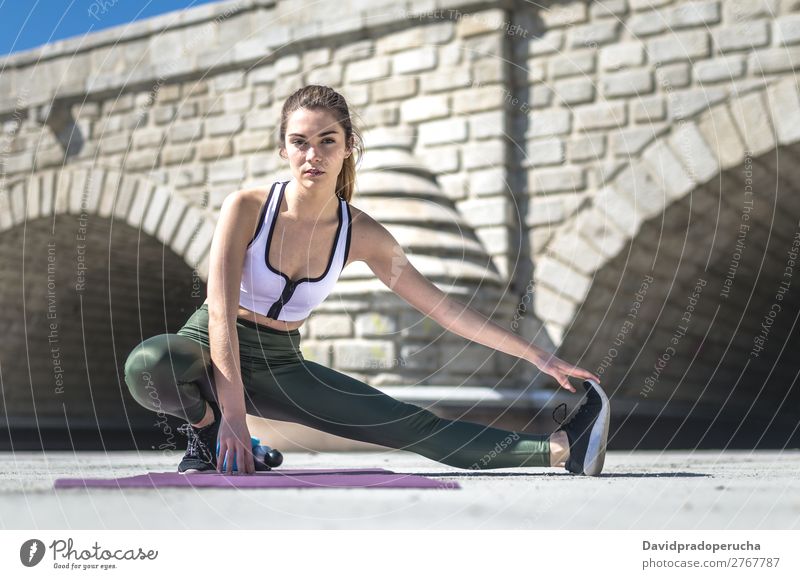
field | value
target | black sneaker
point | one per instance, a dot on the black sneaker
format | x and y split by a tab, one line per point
201	451
587	431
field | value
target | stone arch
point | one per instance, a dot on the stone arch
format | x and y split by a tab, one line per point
671	167
97	273
667	278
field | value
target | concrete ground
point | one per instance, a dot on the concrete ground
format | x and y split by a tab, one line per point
638	490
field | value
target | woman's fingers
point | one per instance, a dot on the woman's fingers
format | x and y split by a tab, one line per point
223	450
581	373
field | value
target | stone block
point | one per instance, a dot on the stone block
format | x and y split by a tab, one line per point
108	196
445	131
576	62
594	34
424	108
785	107
642	188
472	100
422	357
695	13
456	77
742	10
326	75
141	199
639	5
774	60
550	123
551	305
629	142
577	252
237	102
787	29
177	154
720	69
487	211
549	43
608	9
200	244
595	228
557	179
628	83
622	55
486	182
569	282
367	70
601	116
127	188
745	36
590	147
443	159
672	76
646	23
719	131
649	109
331	325
487	125
564	14
147	138
364	354
754	123
620	209
316	351
575	90
543	152
156	210
226	125
375	324
689	45
415	60
484	154
172	216
394	89
665	167
215	149
227	171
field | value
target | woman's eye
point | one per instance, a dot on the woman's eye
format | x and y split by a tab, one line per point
301	143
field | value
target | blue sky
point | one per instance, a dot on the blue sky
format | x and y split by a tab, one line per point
25	24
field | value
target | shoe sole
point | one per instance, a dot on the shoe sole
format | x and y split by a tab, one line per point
596	450
195	471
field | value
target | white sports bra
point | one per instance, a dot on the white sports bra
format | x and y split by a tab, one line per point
271	293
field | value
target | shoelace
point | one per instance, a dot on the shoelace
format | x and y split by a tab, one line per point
563	406
581	410
194	441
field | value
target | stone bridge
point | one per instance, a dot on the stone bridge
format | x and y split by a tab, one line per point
613	180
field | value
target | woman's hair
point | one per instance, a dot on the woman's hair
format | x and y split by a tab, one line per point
318	97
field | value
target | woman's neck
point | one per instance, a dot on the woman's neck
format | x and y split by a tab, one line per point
309	205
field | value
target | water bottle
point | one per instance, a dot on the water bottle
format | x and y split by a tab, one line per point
264	457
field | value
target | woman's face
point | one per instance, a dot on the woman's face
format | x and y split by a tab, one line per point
315	140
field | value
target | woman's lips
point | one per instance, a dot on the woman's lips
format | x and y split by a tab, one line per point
314	173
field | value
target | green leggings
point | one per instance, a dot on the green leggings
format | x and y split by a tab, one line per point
173	373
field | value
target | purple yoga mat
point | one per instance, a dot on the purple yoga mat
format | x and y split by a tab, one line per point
284	478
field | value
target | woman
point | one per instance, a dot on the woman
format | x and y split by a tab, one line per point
277	254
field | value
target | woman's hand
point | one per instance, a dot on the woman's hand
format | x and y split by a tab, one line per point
559	369
234	439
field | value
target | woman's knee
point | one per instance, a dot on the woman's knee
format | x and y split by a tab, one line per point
148	365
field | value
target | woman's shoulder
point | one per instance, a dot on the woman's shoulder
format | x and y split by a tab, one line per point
251	196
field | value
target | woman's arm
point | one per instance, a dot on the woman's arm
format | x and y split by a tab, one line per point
236	223
390	264
228	248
